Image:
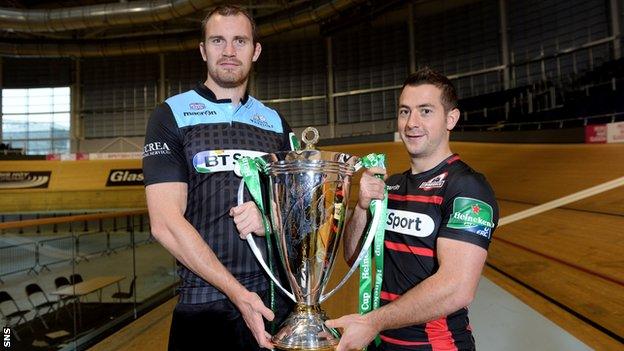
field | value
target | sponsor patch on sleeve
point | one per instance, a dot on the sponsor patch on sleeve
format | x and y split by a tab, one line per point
156	148
472	215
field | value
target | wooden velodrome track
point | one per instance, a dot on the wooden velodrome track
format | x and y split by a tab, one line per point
566	263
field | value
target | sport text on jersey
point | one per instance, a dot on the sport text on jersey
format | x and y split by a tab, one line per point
472	215
211	161
410	223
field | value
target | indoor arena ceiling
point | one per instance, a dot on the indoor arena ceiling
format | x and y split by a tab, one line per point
95	28
46	28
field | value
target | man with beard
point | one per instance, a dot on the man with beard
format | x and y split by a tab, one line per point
441	217
192	142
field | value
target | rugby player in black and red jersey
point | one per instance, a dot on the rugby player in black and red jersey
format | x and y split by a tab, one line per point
441	217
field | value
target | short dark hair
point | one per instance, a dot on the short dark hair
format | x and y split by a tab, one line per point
426	75
229	10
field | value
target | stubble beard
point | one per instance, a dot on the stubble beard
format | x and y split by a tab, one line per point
228	79
417	150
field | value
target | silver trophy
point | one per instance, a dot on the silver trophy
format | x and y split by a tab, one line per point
309	193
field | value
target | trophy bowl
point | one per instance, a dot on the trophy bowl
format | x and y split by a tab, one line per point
308	194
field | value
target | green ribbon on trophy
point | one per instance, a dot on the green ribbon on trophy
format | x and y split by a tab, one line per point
251	177
365	304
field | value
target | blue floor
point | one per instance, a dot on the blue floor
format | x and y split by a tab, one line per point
501	322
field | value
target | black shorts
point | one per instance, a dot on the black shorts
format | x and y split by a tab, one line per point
203	326
391	347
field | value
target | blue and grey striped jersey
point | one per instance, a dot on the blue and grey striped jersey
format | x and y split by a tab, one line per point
196	139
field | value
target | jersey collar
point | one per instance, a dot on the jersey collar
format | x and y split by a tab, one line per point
447	161
209	95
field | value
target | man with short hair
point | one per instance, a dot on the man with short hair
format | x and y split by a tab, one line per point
441	216
192	143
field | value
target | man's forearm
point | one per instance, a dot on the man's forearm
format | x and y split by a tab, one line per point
185	244
353	232
452	287
429	300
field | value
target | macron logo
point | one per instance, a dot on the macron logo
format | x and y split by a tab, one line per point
199	113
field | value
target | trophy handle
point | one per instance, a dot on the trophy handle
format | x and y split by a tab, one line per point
256	251
375	223
367	243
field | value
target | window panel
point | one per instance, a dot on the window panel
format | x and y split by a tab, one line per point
30	119
14	93
121	88
553	26
460	39
60	107
16	108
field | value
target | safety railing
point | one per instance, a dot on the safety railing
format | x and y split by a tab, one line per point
87	236
54	251
18	258
72	258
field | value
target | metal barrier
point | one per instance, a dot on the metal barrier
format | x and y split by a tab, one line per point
118	240
18	258
53	251
39	255
61	246
143	238
90	244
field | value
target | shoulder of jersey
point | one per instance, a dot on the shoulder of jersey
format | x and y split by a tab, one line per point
187	95
259	105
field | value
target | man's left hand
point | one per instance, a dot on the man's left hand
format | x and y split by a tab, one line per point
371	187
247	219
357	331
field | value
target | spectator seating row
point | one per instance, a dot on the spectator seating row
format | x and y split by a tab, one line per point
41	304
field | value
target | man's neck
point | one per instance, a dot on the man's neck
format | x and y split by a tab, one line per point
235	94
423	164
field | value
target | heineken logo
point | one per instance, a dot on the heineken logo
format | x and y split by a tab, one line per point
472	215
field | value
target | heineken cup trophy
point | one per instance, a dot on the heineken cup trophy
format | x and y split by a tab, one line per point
307	205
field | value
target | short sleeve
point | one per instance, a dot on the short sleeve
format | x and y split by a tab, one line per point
470	211
163	152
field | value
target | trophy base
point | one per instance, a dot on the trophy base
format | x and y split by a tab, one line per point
305	329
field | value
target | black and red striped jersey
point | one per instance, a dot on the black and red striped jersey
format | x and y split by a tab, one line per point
450	201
